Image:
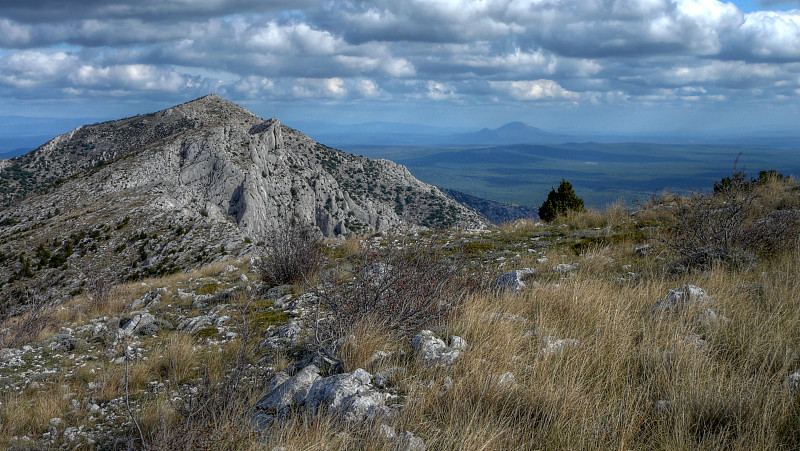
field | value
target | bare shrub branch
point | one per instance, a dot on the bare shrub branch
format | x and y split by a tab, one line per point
35	316
730	226
293	252
396	289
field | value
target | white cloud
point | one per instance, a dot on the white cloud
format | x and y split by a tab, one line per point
534	90
28	69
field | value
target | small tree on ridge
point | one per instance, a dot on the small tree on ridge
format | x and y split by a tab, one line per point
560	201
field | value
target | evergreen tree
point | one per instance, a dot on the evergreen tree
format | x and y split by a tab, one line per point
560	201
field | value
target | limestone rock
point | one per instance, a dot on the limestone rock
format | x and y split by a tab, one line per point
350	394
513	280
564	268
554	345
432	351
291	392
680	298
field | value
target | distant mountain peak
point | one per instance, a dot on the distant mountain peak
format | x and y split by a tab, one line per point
511	133
518	126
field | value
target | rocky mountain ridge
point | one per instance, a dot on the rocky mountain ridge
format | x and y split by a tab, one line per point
159	193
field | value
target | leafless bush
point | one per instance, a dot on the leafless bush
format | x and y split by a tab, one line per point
99	291
397	289
730	226
35	315
293	253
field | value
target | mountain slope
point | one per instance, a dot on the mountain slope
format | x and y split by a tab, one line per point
170	190
497	212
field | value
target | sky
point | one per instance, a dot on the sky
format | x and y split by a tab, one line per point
619	66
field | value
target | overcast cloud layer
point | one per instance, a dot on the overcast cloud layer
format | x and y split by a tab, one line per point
412	56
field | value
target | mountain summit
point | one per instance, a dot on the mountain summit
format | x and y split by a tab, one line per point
158	193
510	133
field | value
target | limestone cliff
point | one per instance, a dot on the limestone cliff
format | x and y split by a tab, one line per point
162	192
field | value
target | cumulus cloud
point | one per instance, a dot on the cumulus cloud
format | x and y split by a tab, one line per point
534	90
593	51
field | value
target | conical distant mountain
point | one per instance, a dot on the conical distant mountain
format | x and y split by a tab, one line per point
171	190
511	133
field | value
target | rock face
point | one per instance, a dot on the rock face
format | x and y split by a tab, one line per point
184	186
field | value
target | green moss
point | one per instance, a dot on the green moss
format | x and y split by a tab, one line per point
262	320
599	241
207	332
477	247
209	288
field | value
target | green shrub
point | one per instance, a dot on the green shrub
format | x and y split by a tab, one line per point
560	202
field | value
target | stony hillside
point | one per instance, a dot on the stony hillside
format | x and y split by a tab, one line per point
676	326
156	194
497	212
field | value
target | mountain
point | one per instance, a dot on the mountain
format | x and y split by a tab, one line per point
166	191
511	133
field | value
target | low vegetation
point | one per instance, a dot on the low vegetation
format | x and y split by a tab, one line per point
577	358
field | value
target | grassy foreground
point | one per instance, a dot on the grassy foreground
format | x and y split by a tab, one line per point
632	379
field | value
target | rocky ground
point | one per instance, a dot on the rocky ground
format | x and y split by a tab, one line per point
578	334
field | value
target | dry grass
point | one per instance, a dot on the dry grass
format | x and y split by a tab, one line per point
602	393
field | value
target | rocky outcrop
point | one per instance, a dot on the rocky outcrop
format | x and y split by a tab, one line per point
171	190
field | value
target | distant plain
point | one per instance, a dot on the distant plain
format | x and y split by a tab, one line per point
602	173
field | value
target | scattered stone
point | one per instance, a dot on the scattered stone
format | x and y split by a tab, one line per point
62	342
513	280
680	298
136	324
279	291
554	345
243	278
458	343
564	268
710	318
229	268
147	301
432	351
642	251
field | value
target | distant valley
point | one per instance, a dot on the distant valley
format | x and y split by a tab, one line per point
601	172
